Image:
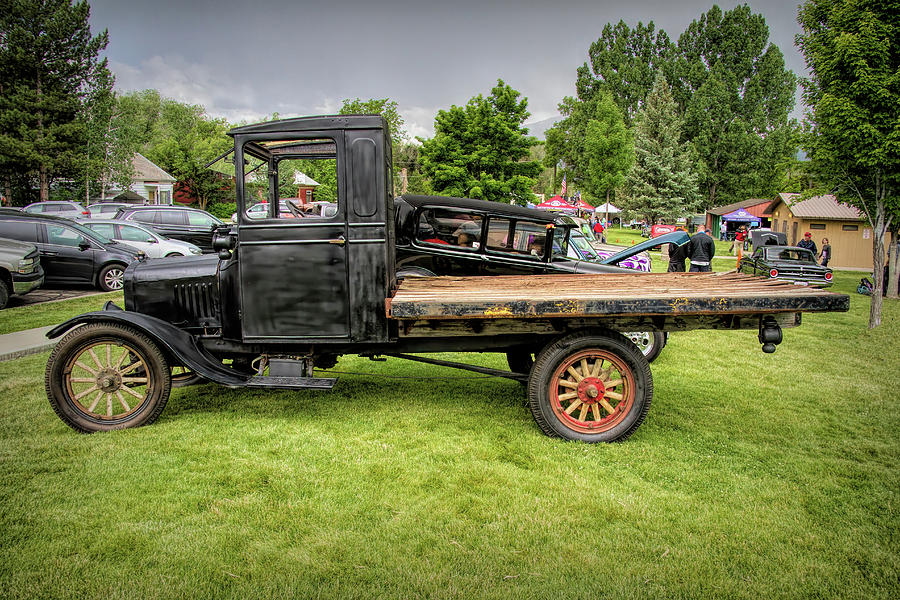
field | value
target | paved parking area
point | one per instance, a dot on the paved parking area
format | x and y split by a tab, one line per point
50	295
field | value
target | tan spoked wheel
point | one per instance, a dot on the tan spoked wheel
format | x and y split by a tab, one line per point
107	376
593	386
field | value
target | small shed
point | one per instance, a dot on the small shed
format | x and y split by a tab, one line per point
824	216
754	207
306	187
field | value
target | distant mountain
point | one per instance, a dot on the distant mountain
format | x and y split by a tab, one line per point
538	128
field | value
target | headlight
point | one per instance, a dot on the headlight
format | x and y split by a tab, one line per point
196	250
26	266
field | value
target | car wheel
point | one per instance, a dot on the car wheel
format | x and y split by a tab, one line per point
174	254
112	277
520	361
105	376
591	386
413	272
650	343
4	294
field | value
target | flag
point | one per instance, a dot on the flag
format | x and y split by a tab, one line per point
563	192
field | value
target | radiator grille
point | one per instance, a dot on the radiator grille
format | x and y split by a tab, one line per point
197	300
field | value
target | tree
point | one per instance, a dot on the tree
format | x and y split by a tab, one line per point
478	150
853	124
736	94
566	140
385	107
180	138
49	63
624	63
608	148
662	182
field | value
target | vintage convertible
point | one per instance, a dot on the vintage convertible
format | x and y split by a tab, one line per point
786	262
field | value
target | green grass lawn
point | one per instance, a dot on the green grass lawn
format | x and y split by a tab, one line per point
754	476
53	313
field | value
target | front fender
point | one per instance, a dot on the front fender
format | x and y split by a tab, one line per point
181	345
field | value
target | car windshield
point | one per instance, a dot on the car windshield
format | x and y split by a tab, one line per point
560	242
791	254
582	245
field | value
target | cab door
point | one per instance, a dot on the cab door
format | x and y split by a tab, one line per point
293	271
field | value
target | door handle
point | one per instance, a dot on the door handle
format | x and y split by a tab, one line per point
340	241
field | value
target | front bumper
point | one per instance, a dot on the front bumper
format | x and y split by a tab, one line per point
22	284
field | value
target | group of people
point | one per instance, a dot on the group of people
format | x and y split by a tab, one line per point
700	250
598	226
807	242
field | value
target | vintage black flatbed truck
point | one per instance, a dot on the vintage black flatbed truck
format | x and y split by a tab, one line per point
287	295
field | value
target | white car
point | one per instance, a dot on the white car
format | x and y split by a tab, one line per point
143	238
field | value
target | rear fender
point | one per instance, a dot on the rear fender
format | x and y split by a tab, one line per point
179	344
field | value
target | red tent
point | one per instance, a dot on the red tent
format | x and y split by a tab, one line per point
555	203
582	205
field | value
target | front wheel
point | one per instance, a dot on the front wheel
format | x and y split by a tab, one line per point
105	376
111	278
592	386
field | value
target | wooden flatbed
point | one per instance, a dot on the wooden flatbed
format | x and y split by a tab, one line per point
607	295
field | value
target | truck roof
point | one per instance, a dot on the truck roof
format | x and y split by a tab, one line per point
338	122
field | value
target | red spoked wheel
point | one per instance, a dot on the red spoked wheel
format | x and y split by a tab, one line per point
592	386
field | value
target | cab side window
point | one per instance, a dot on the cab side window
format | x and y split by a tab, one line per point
131	234
199	220
171	217
523	238
104	229
442	227
19	230
63	236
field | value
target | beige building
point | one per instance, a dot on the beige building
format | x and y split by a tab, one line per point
824	217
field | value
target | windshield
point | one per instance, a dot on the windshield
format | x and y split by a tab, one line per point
582	246
560	242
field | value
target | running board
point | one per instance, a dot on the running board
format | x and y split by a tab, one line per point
291	383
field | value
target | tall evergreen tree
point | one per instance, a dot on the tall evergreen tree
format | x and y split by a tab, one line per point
49	63
662	182
854	123
478	150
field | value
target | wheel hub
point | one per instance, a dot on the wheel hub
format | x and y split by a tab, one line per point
109	380
591	390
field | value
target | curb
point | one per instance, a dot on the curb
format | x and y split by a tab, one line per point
22	343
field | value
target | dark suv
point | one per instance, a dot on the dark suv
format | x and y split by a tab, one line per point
177	222
70	253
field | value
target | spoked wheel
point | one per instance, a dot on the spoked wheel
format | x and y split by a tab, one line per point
650	343
183	377
107	376
590	386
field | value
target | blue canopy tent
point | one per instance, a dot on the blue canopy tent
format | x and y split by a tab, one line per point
742	216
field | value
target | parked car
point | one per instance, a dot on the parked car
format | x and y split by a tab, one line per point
177	222
786	262
461	236
20	269
143	238
260	210
638	262
106	210
661	229
70	252
58	208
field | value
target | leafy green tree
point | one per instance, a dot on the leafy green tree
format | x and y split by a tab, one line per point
385	107
479	150
853	124
624	62
109	151
608	148
181	139
49	64
566	142
736	95
662	182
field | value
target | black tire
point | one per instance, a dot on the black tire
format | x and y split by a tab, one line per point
606	413
122	365
174	254
650	343
413	272
4	294
520	361
184	377
111	277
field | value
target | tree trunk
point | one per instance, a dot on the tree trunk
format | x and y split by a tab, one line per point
893	259
879	228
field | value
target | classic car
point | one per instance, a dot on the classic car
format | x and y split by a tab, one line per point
461	236
638	262
786	262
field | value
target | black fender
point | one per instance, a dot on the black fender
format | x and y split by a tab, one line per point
179	344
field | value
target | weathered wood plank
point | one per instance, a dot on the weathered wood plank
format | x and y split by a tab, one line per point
649	294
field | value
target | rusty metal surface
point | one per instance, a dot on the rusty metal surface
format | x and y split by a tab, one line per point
607	294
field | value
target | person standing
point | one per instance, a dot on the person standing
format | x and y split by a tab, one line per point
701	251
677	256
808	243
825	255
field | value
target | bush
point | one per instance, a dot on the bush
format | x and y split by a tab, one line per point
223	210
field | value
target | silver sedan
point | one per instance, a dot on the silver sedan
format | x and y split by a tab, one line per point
143	238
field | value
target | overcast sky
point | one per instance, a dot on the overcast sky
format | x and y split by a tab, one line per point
244	59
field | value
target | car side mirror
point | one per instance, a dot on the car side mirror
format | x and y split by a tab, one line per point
83	244
151	240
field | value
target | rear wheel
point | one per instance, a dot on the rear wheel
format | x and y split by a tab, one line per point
592	386
174	254
105	376
650	343
4	294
